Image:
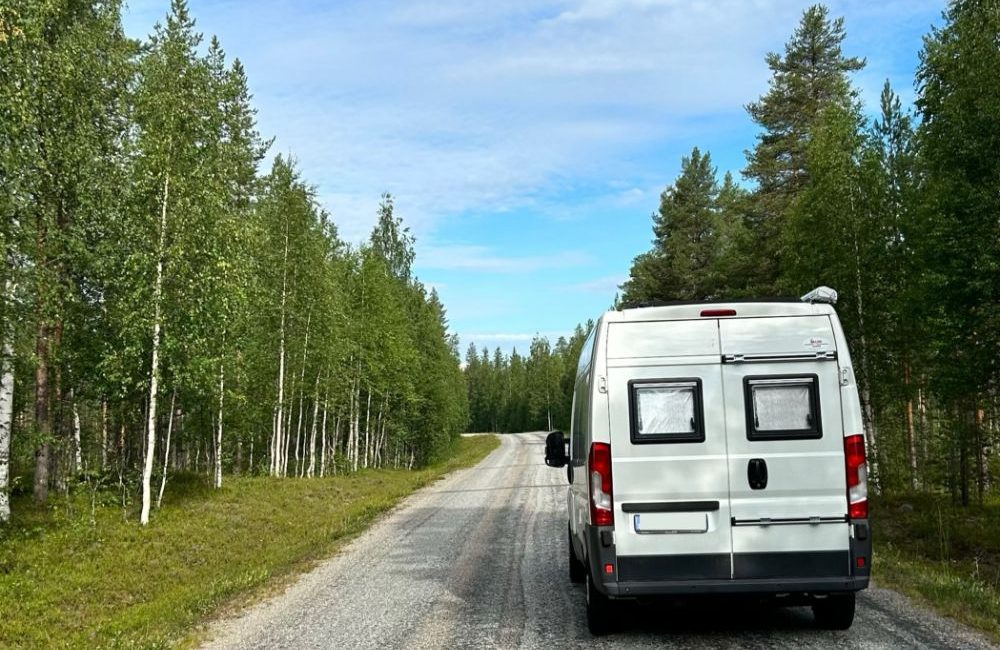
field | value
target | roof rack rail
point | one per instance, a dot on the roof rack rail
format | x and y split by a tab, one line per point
640	304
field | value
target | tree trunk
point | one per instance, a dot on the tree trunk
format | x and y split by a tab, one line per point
322	437
277	444
298	433
352	428
866	403
333	447
288	443
218	431
77	441
311	470
104	433
6	403
166	447
980	415
154	380
43	425
368	426
302	390
911	440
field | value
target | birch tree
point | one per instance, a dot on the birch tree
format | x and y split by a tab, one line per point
174	86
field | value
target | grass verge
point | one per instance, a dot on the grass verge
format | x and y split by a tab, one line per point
80	575
943	556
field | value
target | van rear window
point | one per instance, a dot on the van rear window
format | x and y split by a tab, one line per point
666	410
782	407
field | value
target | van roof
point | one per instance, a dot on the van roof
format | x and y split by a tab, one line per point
755	308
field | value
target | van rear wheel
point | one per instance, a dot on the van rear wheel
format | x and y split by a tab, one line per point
577	571
835	612
599	618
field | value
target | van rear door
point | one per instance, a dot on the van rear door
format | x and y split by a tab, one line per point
668	451
787	481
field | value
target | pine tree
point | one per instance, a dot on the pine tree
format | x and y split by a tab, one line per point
811	76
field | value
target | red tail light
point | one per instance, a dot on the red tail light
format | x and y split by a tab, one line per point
857	477
599	472
718	312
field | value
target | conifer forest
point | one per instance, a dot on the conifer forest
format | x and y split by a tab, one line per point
895	206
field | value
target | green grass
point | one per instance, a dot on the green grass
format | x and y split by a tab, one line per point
76	577
942	555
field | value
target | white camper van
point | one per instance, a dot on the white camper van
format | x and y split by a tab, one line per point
717	449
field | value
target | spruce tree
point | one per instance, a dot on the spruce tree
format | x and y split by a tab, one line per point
679	265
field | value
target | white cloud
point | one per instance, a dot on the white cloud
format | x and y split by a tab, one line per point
461	106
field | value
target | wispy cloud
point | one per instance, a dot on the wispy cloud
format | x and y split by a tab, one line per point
507	341
467	257
607	285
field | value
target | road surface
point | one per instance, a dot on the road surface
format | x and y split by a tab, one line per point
478	561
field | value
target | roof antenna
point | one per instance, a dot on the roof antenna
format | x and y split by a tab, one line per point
821	294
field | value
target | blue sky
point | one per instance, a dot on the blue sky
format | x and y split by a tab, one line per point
526	143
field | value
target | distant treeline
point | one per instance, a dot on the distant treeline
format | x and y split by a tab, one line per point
165	305
517	393
899	212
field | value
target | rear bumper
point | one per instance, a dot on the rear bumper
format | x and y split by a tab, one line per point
812	573
816	586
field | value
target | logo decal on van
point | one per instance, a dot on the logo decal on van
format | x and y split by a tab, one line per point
816	343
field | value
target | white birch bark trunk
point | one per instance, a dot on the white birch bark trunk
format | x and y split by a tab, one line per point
154	380
77	440
104	433
302	391
288	443
868	414
322	452
277	444
333	447
6	405
311	469
368	426
218	431
166	448
352	429
298	432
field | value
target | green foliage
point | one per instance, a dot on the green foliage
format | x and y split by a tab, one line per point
957	231
80	575
125	161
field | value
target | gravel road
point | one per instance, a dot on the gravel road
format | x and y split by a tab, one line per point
478	561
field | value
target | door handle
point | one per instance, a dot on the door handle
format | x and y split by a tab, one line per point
757	473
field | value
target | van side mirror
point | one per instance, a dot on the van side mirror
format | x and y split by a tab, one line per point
555	449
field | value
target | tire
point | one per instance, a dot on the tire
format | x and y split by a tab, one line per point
599	610
577	571
835	612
